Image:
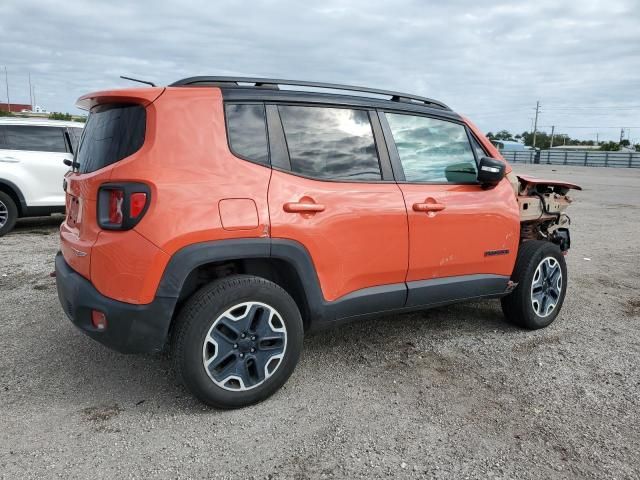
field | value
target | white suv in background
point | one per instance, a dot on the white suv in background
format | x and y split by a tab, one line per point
32	168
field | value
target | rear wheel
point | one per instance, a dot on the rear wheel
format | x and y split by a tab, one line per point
237	341
8	213
541	274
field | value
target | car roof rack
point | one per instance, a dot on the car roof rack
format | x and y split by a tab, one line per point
273	83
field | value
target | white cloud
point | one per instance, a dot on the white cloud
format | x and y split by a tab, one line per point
489	60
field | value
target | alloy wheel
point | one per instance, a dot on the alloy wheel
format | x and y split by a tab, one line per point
546	287
244	346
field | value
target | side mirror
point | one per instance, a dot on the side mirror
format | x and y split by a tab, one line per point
490	171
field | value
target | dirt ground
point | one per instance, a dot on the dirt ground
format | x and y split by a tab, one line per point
449	393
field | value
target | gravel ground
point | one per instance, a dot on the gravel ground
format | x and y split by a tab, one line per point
448	393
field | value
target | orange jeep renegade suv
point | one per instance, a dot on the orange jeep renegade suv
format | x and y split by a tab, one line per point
224	217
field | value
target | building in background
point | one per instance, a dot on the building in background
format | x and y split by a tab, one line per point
24	110
15	107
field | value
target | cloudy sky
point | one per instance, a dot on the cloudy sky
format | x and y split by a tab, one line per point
489	60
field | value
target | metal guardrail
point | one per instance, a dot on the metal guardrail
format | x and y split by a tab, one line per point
585	158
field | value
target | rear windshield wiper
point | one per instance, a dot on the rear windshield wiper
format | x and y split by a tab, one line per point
71	163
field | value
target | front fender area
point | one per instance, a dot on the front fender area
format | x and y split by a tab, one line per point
542	206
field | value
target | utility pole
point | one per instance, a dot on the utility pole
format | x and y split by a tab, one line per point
535	124
621	135
30	92
34	98
553	127
597	139
6	79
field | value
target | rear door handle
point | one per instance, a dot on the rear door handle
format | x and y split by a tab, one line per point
428	207
8	159
303	207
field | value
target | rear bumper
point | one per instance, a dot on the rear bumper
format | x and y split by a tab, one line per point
130	328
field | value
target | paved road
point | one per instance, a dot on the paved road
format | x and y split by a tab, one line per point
448	393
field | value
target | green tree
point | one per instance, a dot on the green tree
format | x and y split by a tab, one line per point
60	116
503	135
610	146
4	113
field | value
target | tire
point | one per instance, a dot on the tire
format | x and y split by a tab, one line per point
530	306
8	214
215	362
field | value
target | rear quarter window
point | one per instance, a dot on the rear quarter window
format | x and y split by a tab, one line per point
112	132
247	132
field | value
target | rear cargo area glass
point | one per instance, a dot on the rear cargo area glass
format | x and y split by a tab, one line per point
112	132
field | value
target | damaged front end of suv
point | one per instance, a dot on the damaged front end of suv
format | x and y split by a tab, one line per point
542	206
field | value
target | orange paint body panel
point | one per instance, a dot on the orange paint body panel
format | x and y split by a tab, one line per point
453	241
358	240
193	170
126	266
143	96
238	214
80	230
189	169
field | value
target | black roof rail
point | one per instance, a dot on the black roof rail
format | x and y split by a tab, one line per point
273	83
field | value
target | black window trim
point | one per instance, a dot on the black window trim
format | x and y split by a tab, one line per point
475	139
281	160
394	156
266	131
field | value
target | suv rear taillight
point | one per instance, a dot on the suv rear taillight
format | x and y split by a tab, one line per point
122	205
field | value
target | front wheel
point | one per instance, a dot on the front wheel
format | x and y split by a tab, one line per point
541	275
237	341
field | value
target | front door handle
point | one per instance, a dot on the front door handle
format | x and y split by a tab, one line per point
303	207
428	207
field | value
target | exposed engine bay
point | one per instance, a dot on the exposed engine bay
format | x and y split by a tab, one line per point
542	209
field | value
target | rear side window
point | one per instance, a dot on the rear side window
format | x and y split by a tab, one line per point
112	132
247	131
432	150
330	143
33	138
